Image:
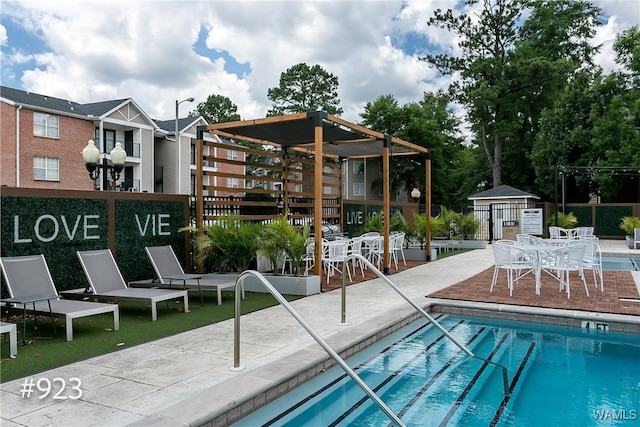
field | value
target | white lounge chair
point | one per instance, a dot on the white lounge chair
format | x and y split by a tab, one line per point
12	330
169	274
30	285
106	283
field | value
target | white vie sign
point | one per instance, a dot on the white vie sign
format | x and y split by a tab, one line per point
531	221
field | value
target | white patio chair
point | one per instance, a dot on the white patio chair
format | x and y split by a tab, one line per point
333	255
513	261
355	248
570	258
593	261
398	249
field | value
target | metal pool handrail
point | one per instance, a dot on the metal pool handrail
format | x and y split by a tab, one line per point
309	329
434	322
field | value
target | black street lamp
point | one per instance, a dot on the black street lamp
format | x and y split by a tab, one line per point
91	156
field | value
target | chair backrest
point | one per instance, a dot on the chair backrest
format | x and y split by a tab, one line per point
573	254
554	232
164	261
503	253
101	270
526	239
399	242
27	275
336	249
592	253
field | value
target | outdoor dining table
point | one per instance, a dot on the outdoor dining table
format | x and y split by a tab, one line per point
539	253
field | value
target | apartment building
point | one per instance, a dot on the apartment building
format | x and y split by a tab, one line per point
42	139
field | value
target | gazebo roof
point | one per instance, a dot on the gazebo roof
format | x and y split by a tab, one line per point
340	138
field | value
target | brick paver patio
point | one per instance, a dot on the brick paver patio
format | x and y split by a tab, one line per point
617	285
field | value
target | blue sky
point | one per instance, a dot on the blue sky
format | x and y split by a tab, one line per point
159	51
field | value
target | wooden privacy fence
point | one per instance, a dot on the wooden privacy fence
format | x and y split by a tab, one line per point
258	185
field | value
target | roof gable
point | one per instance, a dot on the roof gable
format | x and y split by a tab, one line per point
503	192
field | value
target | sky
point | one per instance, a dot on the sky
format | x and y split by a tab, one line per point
158	52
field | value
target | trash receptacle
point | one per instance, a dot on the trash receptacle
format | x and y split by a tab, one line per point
510	229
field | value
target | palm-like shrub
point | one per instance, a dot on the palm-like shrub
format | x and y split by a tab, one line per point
419	231
280	239
468	225
227	245
560	219
629	223
373	223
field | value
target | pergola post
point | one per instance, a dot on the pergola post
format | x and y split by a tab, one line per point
427	204
199	192
385	203
317	189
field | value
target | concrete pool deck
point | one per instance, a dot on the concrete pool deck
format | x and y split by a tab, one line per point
186	379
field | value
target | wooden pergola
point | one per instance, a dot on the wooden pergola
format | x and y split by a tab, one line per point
319	135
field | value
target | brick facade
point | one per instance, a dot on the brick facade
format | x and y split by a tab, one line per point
73	136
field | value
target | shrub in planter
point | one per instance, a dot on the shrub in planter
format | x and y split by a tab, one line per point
280	239
468	226
563	220
227	245
629	223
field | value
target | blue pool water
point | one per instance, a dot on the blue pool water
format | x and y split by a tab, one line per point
559	376
621	263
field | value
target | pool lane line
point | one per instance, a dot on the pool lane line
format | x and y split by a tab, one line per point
438	374
514	381
467	389
343	376
409	363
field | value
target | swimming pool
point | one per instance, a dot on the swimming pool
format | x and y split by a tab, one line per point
558	376
621	263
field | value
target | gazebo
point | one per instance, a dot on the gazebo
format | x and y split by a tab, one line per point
318	135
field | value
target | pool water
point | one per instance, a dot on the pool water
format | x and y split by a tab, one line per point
559	376
621	263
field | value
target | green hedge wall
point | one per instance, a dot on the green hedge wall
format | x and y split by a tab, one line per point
608	219
141	223
59	227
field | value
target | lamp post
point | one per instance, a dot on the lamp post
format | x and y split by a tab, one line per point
415	194
91	156
177	134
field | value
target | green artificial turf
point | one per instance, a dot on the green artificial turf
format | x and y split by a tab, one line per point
94	335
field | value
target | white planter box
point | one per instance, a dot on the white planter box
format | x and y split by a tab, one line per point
474	244
290	285
415	254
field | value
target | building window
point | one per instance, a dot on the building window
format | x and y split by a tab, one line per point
358	188
46	169
233	183
358	167
45	125
232	155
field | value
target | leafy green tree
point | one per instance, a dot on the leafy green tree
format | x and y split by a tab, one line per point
217	109
428	123
505	68
593	124
303	88
627	47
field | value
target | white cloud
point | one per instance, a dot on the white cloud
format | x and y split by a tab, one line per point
98	50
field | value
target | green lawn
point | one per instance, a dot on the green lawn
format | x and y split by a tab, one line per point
94	335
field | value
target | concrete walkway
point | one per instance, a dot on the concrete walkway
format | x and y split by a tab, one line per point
186	379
